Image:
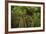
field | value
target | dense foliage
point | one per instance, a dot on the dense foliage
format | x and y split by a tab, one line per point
25	16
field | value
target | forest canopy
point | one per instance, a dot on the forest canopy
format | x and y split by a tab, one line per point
25	16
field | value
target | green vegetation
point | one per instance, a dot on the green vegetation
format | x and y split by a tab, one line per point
25	16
